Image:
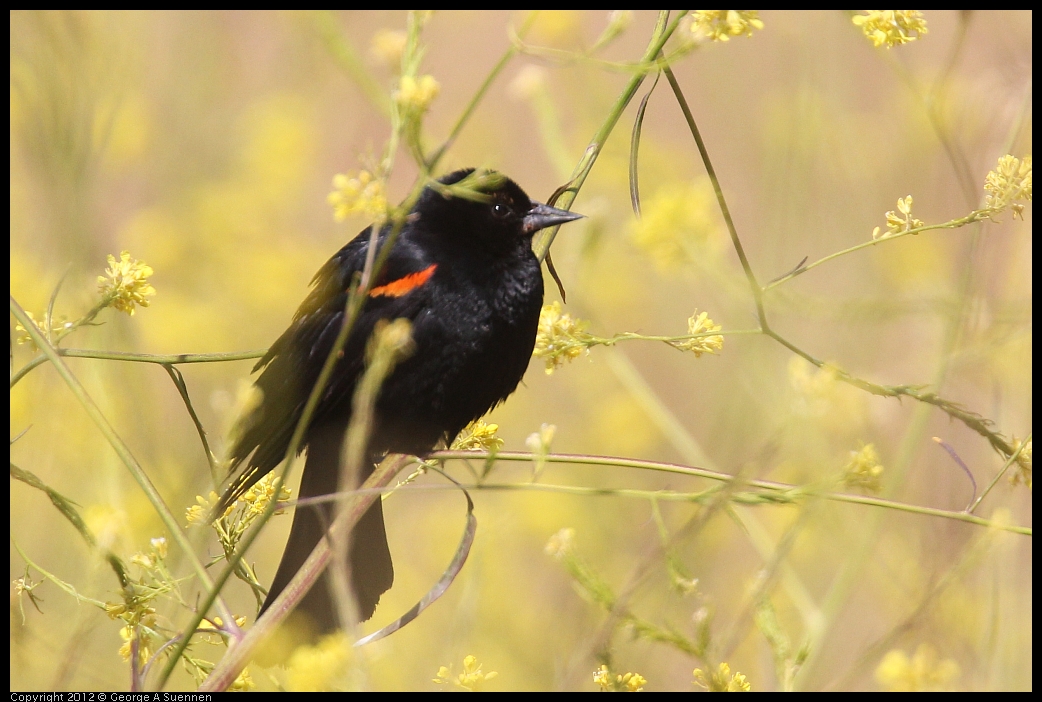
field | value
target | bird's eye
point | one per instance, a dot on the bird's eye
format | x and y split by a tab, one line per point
500	211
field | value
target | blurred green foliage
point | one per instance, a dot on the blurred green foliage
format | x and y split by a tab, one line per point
205	144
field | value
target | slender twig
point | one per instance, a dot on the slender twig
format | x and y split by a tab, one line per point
663	30
777	492
1009	461
724	209
182	388
167	359
121	449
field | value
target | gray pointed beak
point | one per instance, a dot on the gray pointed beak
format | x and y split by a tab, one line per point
542	216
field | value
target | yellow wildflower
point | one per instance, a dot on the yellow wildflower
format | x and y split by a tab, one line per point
478	436
898	223
1009	182
1022	470
146	641
700	323
125	284
159	546
23	334
864	471
628	682
923	672
721	25
415	95
471	678
678	223
243	683
263	491
561	543
721	680
560	338
363	194
538	442
891	27
200	513
319	668
388	45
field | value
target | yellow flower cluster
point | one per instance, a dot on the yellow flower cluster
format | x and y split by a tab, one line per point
560	338
700	323
721	25
23	334
319	668
721	680
415	95
478	436
388	46
264	491
678	223
864	471
1007	184
920	673
898	223
891	27
199	513
470	679
561	544
125	283
629	682
1022	472
363	194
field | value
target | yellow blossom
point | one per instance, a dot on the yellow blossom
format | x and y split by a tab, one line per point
200	513
699	323
478	436
1022	471
923	672
159	546
263	491
243	683
561	543
141	633
319	668
721	25
23	334
470	679
388	45
900	221
560	338
891	27
864	471
628	682
125	284
538	442
1007	184
529	83
678	223
415	95
362	194
721	680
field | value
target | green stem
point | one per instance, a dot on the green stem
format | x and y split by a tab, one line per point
736	242
122	450
777	492
582	170
953	224
165	360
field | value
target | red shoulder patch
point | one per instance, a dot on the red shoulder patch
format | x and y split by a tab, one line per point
405	284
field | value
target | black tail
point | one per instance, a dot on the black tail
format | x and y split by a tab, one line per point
368	556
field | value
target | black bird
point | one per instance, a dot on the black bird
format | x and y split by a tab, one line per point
463	273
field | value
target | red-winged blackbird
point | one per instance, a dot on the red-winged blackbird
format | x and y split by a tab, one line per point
463	272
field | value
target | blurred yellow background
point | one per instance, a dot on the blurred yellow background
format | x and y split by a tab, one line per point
204	143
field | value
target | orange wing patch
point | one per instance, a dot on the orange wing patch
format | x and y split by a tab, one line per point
405	284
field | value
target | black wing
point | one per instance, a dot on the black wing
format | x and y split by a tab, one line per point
292	365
